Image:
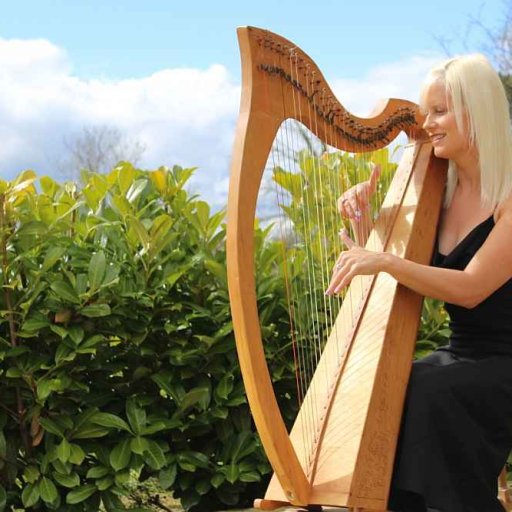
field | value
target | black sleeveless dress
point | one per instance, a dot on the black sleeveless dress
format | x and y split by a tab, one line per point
456	430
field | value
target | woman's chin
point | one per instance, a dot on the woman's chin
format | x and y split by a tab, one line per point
441	152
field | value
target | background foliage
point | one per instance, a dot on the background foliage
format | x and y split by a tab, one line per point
116	347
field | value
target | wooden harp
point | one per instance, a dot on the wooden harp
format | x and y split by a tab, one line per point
361	376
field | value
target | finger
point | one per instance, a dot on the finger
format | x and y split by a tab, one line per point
362	197
346	239
342	202
351	209
343	284
374	176
335	280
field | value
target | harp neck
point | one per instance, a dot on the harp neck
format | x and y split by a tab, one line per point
280	81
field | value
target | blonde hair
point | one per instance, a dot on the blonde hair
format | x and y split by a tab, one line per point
478	97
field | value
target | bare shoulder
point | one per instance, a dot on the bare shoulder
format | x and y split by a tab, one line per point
503	212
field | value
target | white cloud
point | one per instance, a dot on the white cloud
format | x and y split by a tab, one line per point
400	79
182	116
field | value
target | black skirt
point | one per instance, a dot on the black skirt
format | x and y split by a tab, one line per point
456	434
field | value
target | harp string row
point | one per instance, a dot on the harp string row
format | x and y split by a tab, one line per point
319	235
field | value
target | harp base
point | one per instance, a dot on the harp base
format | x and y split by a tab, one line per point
273	505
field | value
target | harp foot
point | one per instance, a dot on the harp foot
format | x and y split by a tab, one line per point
269	504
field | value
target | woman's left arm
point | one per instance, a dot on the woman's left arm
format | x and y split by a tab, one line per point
489	269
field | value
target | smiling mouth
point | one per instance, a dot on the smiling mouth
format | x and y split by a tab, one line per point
437	137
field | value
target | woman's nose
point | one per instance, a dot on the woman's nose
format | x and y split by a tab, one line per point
427	122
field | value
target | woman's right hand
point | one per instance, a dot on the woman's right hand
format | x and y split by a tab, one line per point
356	200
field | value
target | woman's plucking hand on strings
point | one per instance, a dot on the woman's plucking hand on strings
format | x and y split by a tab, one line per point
354	205
355	202
355	261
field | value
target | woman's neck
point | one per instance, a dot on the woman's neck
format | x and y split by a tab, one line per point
468	175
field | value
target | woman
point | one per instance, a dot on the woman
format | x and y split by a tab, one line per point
457	425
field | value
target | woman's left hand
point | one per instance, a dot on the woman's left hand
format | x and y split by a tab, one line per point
356	261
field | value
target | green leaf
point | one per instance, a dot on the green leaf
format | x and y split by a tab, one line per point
64	291
232	473
81	494
22	181
54	254
35	323
112	502
61	467
202	486
123	477
225	386
217	480
193	397
30	495
97	472
139	445
189	499
167	476
31	474
33	228
46	386
51	426
92	341
77	454
105	419
90	432
140	231
120	455
97	267
59	330
69	481
125	176
76	333
163	382
47	490
105	483
13	373
154	456
250	476
136	416
190	460
64	450
96	310
48	185
136	189
158	426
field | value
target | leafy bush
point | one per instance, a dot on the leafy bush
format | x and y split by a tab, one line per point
116	347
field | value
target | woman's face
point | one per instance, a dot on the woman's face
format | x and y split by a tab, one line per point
440	124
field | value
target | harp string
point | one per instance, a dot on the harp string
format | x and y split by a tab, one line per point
314	256
302	295
330	237
306	245
325	222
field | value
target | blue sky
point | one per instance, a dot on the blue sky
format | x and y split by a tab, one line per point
167	72
134	38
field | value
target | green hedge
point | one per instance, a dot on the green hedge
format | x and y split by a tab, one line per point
116	346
